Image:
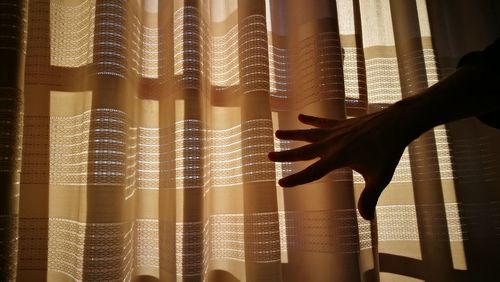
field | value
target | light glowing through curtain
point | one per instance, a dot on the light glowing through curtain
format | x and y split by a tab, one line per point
134	140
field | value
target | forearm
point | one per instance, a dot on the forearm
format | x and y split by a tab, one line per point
470	91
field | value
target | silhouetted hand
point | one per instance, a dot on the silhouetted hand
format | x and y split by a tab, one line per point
371	145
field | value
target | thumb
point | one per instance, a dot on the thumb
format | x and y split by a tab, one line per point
368	199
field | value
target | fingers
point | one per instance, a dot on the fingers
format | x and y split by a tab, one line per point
309	135
304	153
317	121
311	173
369	198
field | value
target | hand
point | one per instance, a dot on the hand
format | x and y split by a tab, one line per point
371	145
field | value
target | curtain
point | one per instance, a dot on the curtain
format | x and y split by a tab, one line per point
134	140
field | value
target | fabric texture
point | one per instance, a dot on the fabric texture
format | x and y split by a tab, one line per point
134	138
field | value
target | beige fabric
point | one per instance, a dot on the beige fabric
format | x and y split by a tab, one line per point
134	140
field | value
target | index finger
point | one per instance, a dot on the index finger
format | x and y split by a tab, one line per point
317	121
304	153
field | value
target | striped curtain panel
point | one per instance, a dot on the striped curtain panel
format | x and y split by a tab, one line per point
134	138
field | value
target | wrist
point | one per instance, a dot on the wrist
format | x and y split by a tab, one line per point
413	117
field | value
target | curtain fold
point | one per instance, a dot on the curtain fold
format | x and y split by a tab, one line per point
134	140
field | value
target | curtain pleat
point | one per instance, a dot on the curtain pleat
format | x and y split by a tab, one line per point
134	138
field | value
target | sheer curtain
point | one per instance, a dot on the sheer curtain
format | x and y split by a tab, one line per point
134	140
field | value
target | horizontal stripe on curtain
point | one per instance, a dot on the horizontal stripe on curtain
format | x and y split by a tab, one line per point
134	138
